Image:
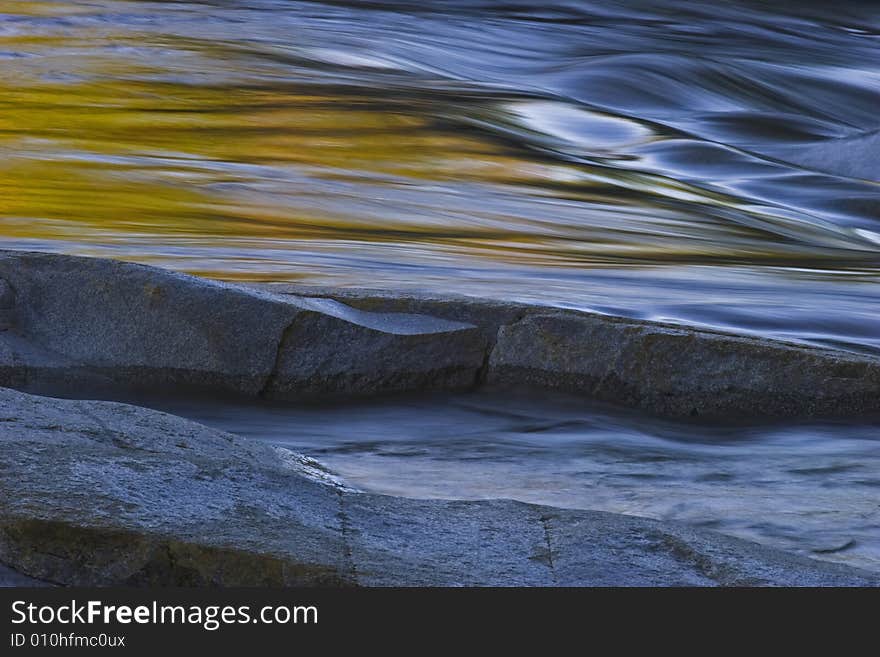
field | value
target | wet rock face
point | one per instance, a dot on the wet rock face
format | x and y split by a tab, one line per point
7	305
7	295
80	319
668	370
97	493
679	372
439	355
126	321
100	319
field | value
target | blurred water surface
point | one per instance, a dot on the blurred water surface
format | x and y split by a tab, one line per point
711	163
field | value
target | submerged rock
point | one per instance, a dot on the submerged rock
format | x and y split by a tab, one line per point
98	493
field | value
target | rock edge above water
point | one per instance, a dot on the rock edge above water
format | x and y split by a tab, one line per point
100	493
68	320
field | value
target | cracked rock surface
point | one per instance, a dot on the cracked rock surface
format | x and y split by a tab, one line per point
102	493
74	320
99	493
84	319
668	370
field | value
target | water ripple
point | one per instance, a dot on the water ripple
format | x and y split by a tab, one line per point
698	164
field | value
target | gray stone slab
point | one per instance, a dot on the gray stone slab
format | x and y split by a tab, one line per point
681	372
142	323
668	370
101	493
75	319
66	320
98	493
352	357
400	542
607	549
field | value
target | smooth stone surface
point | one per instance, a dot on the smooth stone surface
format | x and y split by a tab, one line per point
125	320
98	493
487	314
7	295
374	360
678	372
7	304
81	318
101	493
75	320
668	370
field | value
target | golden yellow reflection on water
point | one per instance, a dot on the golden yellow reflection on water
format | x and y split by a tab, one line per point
116	132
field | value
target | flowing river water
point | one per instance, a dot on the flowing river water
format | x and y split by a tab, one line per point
706	163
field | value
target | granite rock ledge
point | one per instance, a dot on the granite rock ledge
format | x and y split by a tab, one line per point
80	320
69	320
100	493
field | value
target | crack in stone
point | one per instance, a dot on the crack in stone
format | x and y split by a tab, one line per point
545	523
684	552
272	376
483	371
345	530
97	420
482	376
